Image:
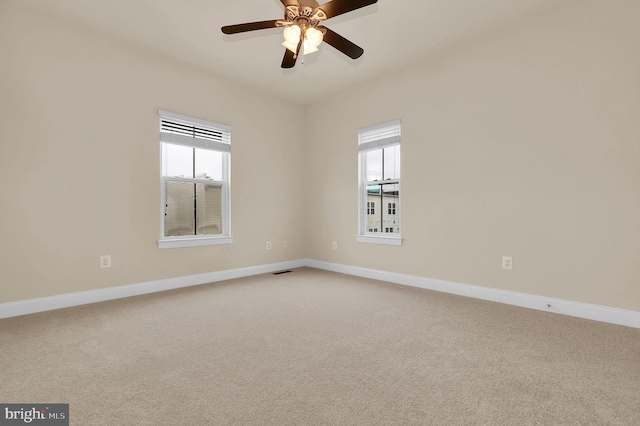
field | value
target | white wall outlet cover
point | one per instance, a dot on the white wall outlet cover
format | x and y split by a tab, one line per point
507	262
105	261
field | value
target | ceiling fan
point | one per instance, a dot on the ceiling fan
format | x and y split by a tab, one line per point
302	29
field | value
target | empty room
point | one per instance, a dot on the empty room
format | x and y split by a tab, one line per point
290	212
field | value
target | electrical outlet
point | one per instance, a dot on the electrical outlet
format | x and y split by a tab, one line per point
268	245
285	244
507	262
105	261
335	245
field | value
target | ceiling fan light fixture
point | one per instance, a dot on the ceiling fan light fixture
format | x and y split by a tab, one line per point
312	40
308	48
313	36
292	37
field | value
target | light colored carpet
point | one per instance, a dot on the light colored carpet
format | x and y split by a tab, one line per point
316	348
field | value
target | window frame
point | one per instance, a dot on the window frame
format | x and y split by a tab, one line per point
224	147
373	138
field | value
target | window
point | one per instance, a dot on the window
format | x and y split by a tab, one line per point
379	171
195	192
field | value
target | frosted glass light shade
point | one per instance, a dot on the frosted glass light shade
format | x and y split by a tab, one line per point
313	37
308	48
312	40
292	37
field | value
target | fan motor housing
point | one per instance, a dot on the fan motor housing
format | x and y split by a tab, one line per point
308	3
305	10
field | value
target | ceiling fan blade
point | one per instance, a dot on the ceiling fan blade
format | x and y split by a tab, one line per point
338	7
249	26
289	60
342	44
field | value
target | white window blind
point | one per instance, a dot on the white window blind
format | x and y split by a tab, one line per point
181	130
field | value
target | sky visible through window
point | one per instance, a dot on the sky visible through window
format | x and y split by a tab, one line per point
391	163
179	162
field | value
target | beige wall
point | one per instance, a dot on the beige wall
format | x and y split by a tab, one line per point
523	142
79	162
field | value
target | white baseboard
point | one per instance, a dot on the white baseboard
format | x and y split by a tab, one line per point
547	304
565	307
31	306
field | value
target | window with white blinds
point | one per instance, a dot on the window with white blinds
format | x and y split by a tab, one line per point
195	181
379	171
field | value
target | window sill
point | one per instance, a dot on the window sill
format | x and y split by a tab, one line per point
389	241
177	242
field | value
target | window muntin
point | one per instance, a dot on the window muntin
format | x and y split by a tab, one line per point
195	192
380	171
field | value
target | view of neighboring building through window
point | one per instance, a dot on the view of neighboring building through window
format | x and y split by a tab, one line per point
379	153
371	207
195	178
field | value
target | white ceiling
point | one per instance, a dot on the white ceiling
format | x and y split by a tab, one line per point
392	33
